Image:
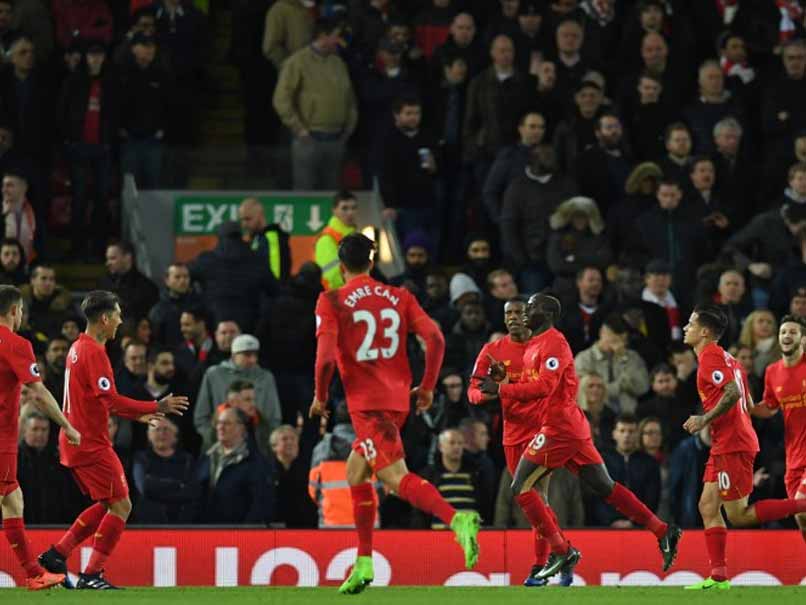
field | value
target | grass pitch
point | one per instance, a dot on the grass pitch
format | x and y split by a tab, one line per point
593	595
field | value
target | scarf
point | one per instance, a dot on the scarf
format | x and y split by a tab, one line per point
20	224
743	71
669	305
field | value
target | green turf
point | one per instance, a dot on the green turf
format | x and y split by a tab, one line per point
415	595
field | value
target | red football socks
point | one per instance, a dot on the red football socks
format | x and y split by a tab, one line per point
15	534
421	494
83	527
628	504
106	538
364	515
773	510
542	548
543	520
716	541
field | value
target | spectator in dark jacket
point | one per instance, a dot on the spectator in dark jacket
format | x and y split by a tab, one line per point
765	245
577	240
269	241
294	508
417	250
632	468
89	122
174	300
234	279
467	338
528	202
51	495
236	482
585	310
686	467
197	346
144	94
437	301
407	178
602	169
164	478
511	162
666	232
784	105
463	41
137	293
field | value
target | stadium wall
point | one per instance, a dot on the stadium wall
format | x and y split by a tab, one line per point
239	557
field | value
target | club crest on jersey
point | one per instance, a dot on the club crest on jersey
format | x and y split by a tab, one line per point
104	384
717	377
34	369
552	363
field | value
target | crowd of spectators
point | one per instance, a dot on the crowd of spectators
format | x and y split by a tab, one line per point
633	157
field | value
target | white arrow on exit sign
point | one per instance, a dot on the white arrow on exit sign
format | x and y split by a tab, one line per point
315	221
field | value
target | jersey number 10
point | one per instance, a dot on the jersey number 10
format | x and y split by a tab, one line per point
390	322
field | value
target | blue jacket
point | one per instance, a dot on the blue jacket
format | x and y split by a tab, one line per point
686	467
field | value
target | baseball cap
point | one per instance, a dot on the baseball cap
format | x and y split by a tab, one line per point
245	343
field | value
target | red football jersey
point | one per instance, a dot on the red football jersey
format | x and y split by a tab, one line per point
732	431
549	387
519	418
89	396
786	388
371	322
17	367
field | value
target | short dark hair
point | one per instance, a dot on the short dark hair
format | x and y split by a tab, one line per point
615	323
625	418
240	385
98	302
692	163
518	298
662	368
582	271
405	101
669	182
793	319
135	343
355	252
650	76
606	114
531	112
124	246
341	196
41	265
154	353
326	25
673	127
199	313
9	295
677	347
713	318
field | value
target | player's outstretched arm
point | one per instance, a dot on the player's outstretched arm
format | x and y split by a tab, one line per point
427	329
48	405
762	410
173	404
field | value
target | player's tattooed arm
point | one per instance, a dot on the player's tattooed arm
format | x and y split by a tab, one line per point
730	395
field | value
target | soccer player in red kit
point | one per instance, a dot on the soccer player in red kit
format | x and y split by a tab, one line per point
519	419
363	327
17	368
89	397
785	388
548	385
728	478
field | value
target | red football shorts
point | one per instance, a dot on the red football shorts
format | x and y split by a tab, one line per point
513	453
795	480
103	480
377	437
733	474
554	452
8	473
